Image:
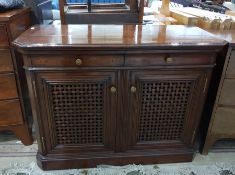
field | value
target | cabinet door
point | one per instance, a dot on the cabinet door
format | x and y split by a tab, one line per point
78	111
164	107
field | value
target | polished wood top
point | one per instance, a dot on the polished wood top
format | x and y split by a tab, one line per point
228	35
114	37
9	15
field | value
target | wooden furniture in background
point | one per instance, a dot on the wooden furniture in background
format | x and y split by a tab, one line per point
222	123
230	13
13	114
116	94
184	18
204	19
209	20
165	10
119	13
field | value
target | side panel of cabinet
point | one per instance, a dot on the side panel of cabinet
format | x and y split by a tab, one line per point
78	110
164	107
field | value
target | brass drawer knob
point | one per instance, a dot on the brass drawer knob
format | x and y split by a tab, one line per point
78	62
133	89
169	60
113	89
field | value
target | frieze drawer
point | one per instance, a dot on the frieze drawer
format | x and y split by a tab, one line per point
168	59
78	60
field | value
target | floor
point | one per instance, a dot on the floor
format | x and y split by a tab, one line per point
17	159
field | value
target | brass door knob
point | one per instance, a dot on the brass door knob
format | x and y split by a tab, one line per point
133	89
169	60
113	89
78	62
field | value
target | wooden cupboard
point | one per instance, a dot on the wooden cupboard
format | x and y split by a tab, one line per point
13	112
222	123
118	101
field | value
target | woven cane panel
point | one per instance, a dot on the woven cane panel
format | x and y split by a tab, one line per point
163	110
78	113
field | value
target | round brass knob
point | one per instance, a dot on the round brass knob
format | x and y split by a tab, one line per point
133	89
78	62
169	60
113	89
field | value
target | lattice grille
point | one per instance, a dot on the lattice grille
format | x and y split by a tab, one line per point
78	113
163	110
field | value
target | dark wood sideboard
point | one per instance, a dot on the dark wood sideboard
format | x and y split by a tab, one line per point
116	94
13	114
222	123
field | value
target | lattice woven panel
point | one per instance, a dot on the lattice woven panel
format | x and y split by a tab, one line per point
163	110
78	113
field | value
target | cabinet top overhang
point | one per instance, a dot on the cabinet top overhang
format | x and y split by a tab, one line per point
115	37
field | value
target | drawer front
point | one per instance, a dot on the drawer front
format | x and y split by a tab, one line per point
3	36
78	60
19	25
231	65
8	87
6	64
224	122
168	59
227	96
10	113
